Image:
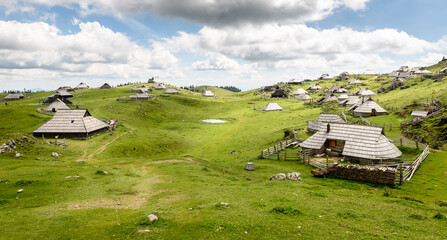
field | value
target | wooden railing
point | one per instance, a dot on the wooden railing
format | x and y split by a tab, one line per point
405	173
276	148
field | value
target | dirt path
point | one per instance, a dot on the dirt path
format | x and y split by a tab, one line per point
104	147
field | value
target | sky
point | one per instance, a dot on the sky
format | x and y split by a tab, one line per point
244	43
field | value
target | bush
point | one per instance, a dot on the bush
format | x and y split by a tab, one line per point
386	192
439	216
286	211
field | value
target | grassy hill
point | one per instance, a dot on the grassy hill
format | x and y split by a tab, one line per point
162	159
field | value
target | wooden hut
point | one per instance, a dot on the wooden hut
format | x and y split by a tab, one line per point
171	91
314	87
61	95
328	98
66	88
56	105
140	97
13	97
279	93
208	93
299	91
314	126
82	86
272	107
356	143
363	91
366	108
303	97
75	124
343	76
337	89
105	86
159	86
419	114
324	76
355	82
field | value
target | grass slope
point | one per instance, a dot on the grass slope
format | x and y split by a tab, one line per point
162	159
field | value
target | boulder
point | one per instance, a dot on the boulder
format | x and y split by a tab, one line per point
17	155
54	154
152	217
250	166
294	176
280	176
20	190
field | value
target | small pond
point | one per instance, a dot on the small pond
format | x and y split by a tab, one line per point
214	121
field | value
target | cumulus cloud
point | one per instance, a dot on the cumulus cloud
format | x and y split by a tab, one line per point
209	12
272	42
94	51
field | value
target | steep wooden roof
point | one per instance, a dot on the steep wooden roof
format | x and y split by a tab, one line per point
71	121
360	141
324	118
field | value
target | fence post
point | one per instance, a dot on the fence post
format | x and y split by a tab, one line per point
417	145
400	141
278	154
280	145
308	159
391	126
401	177
285	154
327	161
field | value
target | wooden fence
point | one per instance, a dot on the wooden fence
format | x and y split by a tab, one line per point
403	142
405	173
276	149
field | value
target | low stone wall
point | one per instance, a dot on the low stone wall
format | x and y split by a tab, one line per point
383	175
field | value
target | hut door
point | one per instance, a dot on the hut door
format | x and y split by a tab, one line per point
373	112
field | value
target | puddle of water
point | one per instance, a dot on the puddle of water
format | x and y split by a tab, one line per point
214	121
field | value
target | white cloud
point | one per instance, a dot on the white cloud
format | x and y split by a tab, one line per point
94	51
208	12
272	42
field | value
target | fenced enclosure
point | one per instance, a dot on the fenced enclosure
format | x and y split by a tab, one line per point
403	142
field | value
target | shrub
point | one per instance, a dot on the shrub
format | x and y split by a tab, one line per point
439	216
286	211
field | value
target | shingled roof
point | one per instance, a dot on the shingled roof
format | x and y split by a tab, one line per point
324	118
159	86
56	105
366	108
77	123
13	96
303	97
360	141
208	93
299	91
171	91
272	107
417	113
314	87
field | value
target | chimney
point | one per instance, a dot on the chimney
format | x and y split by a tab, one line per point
328	128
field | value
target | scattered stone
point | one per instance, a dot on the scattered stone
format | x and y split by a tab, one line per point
190	208
54	154
250	166
299	227
294	176
234	152
17	155
152	217
280	176
245	232
20	190
219	229
144	231
224	204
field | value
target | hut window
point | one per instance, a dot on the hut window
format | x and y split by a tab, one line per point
72	121
332	143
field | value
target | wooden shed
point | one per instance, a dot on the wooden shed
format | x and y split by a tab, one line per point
56	105
314	126
367	108
13	97
356	143
75	124
105	86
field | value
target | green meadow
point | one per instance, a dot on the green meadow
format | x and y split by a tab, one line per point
161	159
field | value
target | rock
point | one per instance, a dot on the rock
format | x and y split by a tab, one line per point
54	154
20	190
17	155
224	204
281	176
234	152
294	176
144	230
152	217
250	166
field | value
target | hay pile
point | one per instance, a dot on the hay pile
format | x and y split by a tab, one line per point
383	175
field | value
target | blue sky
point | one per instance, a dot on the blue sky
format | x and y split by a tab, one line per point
48	43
